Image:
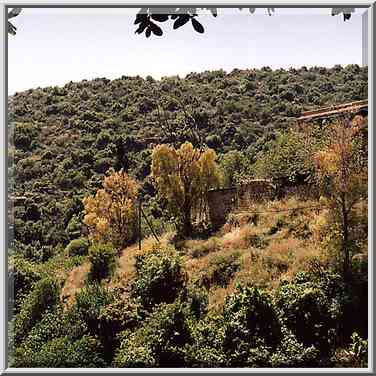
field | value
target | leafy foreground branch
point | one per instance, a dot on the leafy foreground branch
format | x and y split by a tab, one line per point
146	18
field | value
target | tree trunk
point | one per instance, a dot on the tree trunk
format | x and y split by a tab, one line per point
187	224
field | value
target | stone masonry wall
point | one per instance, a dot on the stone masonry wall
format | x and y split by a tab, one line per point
222	201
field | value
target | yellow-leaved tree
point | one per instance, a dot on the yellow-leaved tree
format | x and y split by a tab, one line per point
111	215
342	170
183	176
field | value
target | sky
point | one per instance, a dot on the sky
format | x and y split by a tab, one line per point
55	46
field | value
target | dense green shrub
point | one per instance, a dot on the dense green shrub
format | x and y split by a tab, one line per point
24	135
102	165
158	343
78	247
53	324
204	357
89	303
234	165
103	139
196	300
245	335
45	294
285	157
291	353
252	329
160	277
103	261
119	315
22	275
206	349
29	232
312	309
62	352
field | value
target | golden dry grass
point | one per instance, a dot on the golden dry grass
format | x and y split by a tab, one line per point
266	256
74	283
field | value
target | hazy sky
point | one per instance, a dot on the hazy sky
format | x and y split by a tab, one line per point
55	46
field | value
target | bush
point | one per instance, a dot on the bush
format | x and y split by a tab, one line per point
355	356
312	308
116	317
56	323
204	356
160	276
53	324
103	139
78	247
24	135
252	328
89	303
196	301
35	251
22	276
207	348
63	353
158	343
103	261
291	353
44	295
102	165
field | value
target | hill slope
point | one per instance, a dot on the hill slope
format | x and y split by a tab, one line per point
65	138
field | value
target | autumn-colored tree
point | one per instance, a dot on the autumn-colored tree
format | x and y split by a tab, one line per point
183	177
111	214
342	170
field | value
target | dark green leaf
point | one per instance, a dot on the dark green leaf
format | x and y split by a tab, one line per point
11	29
140	18
142	27
155	29
197	26
159	17
14	12
182	20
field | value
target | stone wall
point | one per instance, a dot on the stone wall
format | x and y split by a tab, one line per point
222	201
255	191
220	204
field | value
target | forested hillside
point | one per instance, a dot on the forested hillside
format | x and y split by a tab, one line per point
65	143
66	138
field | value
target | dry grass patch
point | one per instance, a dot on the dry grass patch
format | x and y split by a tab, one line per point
199	248
74	283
